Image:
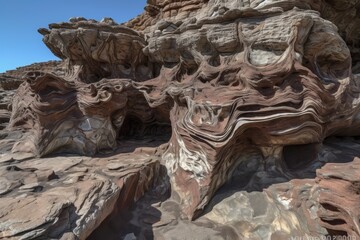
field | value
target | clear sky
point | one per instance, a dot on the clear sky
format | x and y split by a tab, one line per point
21	44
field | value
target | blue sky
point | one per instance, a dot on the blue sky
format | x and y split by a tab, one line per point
21	44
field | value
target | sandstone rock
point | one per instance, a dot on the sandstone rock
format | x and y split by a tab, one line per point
156	10
85	119
98	49
68	112
11	80
273	91
290	208
338	189
253	94
59	207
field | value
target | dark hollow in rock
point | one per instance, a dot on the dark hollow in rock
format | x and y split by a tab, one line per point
297	157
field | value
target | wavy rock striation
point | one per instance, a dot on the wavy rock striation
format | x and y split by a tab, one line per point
11	80
68	197
274	83
339	197
237	89
84	110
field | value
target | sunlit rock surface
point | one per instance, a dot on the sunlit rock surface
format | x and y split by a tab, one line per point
240	119
263	79
93	103
64	196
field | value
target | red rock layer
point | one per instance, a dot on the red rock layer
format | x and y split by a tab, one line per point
235	79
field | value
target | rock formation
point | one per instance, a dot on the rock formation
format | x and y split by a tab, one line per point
279	74
250	98
10	81
68	197
84	110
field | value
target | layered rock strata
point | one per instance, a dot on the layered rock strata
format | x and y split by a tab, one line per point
67	197
93	104
262	205
11	80
248	91
248	80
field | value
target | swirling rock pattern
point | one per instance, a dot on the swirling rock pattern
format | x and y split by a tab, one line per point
10	81
100	49
81	111
339	196
83	118
68	197
242	87
267	81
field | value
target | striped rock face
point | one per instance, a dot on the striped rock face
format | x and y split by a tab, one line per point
242	84
261	80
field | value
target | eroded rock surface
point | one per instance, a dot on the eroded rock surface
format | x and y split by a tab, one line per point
249	98
11	80
339	197
63	196
274	83
264	205
94	103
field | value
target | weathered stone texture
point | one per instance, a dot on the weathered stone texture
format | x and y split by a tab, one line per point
248	97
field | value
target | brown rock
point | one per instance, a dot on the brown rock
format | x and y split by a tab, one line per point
11	80
339	190
62	210
252	94
245	84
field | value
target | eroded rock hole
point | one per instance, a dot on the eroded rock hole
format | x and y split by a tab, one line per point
299	156
134	128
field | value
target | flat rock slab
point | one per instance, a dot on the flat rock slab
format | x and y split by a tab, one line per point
58	197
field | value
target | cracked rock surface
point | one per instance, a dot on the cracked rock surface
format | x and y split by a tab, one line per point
62	196
198	119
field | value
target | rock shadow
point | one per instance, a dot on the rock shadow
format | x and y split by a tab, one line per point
132	218
257	179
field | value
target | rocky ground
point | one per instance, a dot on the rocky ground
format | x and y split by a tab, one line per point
268	205
11	80
126	195
67	197
198	119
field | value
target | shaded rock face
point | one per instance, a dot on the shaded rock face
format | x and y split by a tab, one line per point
244	93
10	80
346	16
61	116
263	205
